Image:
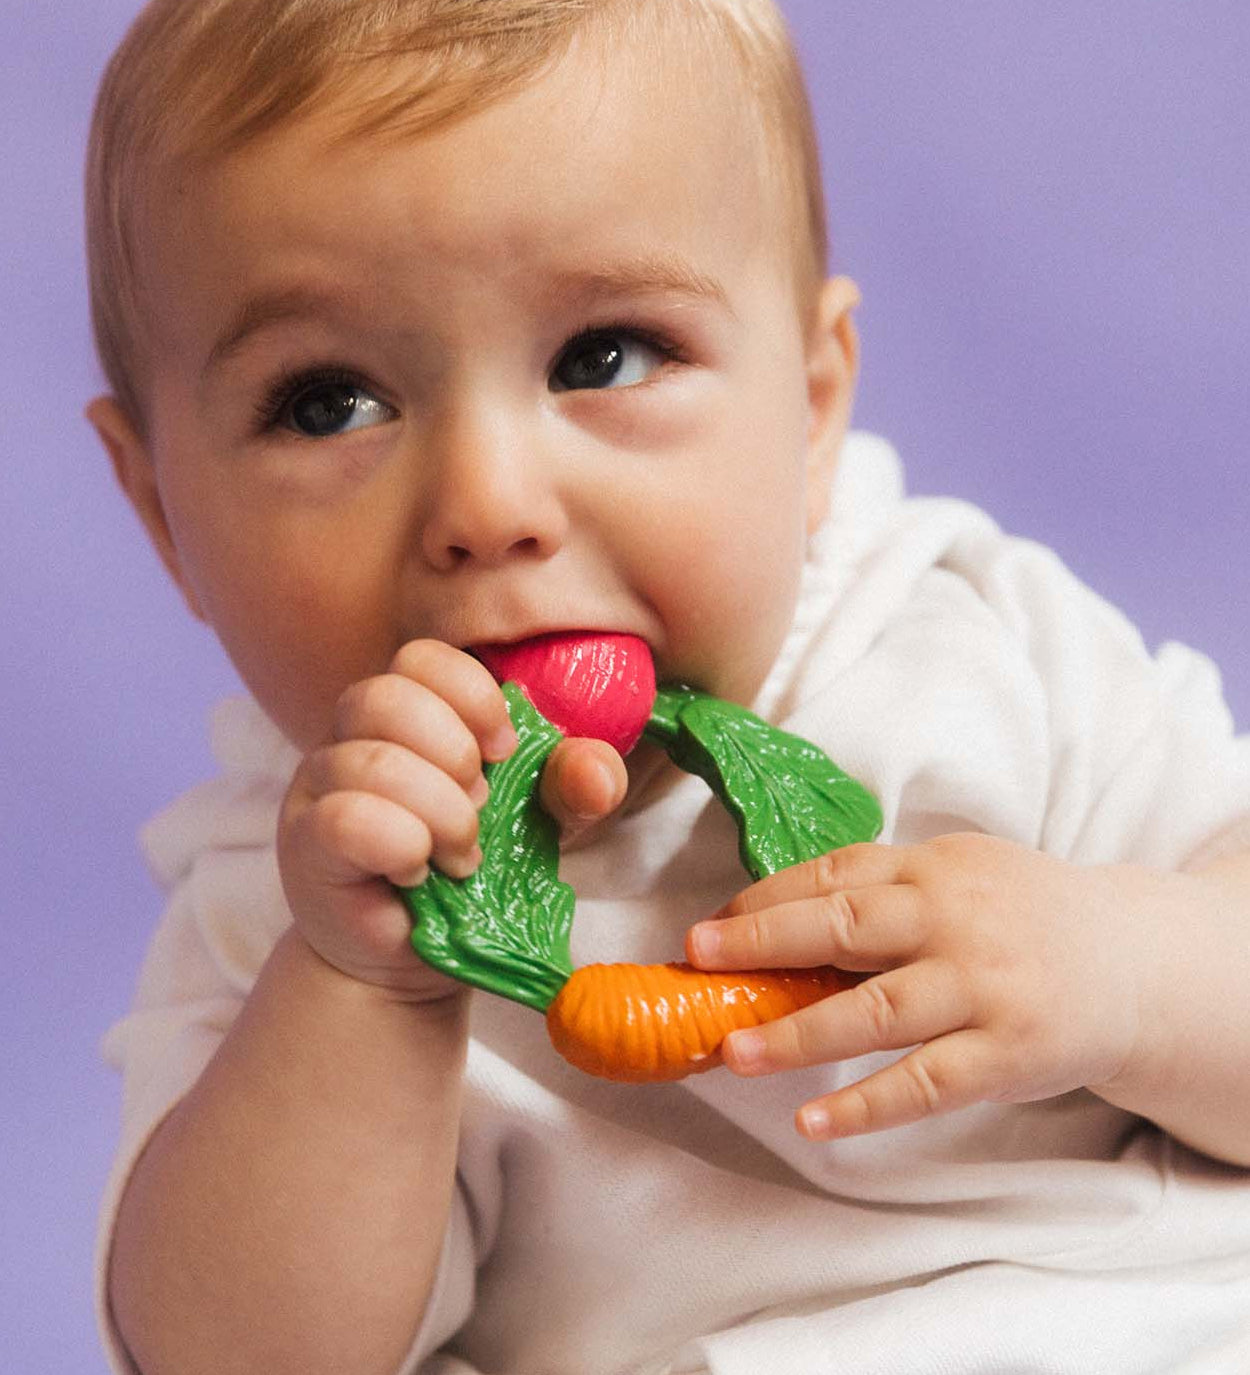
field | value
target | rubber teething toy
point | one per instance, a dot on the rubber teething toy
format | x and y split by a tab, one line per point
506	927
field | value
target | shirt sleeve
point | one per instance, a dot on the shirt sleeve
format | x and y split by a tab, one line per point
1146	766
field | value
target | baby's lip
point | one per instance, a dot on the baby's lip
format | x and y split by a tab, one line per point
493	652
484	649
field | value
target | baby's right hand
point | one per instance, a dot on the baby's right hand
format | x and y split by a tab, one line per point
397	787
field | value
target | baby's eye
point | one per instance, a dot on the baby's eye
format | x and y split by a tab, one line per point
320	407
330	408
605	358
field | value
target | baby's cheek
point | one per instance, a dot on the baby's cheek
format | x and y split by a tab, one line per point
736	610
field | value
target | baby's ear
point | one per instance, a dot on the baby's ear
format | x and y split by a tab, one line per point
832	369
132	463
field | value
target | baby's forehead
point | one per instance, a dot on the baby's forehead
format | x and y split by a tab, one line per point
612	152
594	98
470	225
401	90
202	84
594	77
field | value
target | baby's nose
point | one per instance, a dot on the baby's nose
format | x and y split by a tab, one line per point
493	496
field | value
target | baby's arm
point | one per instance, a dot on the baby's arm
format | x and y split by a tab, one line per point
1194	1079
1015	975
289	1213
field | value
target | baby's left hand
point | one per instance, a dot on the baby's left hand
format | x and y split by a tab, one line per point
1017	976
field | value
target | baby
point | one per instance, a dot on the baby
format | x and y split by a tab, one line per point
433	324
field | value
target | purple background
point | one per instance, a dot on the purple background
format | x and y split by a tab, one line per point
1047	209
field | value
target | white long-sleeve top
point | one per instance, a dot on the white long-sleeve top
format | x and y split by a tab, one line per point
972	683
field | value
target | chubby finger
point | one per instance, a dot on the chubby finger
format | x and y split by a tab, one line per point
857	929
889	1012
394	709
385	770
953	1072
583	781
347	836
467	686
851	866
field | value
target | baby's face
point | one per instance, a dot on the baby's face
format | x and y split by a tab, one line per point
542	369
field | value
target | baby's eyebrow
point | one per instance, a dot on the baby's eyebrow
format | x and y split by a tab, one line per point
263	310
661	272
651	273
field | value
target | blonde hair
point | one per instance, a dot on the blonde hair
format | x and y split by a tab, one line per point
195	80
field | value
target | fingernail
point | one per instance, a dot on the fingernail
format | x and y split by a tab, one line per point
461	869
815	1121
608	785
706	940
747	1048
607	791
480	791
499	744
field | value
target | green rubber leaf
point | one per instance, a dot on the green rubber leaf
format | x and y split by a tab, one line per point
505	928
790	801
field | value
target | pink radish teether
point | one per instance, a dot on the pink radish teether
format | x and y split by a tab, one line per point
585	683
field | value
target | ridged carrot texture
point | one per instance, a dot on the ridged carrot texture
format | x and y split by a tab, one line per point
506	927
644	1023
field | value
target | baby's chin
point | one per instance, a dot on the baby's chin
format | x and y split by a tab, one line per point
305	731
